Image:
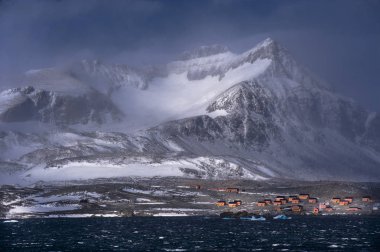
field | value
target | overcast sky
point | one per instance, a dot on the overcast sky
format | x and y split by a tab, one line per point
338	40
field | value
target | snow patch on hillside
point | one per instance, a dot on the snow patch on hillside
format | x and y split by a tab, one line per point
175	96
202	167
216	113
42	208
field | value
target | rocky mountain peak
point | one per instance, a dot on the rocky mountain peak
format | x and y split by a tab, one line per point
283	65
268	48
267	43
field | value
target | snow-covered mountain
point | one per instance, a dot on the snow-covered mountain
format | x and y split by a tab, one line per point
209	114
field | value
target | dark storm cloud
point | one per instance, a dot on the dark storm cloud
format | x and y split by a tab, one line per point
339	40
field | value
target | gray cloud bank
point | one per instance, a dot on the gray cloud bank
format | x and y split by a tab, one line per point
339	39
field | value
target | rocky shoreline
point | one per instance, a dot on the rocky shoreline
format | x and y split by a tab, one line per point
128	197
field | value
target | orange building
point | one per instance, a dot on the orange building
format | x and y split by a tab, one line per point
278	198
354	209
221	203
238	202
313	200
366	199
297	208
329	209
232	204
277	203
335	200
268	201
296	201
304	196
322	205
349	199
343	203
261	204
292	197
232	190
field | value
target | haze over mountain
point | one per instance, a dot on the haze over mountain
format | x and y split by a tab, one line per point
210	114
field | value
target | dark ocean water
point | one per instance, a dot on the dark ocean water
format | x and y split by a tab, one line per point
192	234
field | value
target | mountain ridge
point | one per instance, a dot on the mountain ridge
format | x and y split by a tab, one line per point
259	110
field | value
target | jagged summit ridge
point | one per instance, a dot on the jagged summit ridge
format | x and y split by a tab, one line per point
282	66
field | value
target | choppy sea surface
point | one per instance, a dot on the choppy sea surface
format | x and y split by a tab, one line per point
303	233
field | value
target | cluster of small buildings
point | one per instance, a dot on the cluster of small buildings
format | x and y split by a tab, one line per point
282	200
348	200
293	199
234	203
297	202
231	204
341	202
344	202
323	207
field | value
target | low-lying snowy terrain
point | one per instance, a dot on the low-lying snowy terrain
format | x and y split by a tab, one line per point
173	196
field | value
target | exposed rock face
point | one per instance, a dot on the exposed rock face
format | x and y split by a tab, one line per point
29	104
114	76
